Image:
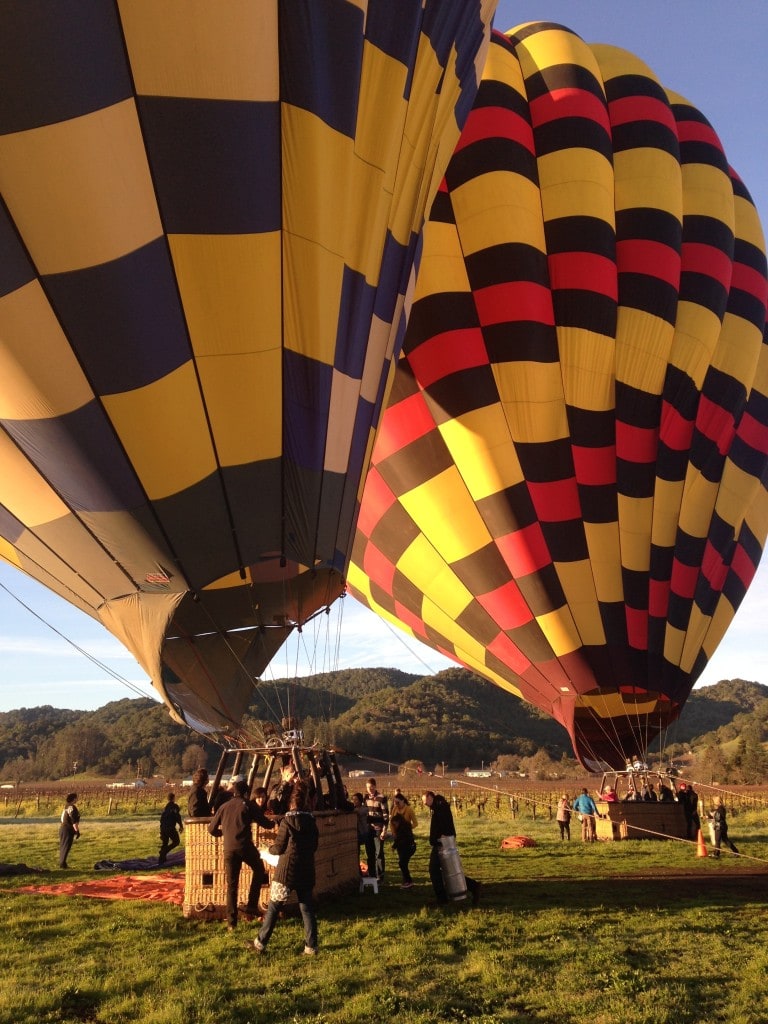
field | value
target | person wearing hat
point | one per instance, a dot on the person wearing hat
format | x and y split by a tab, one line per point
233	822
402	822
689	798
720	823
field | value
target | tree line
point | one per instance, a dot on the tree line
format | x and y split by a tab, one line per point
449	721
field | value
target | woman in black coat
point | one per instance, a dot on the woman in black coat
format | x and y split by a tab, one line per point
296	844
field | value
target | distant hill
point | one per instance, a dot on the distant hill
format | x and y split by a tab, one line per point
453	717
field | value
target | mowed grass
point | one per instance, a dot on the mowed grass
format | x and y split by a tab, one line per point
559	936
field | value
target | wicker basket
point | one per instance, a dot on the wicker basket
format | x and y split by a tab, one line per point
337	867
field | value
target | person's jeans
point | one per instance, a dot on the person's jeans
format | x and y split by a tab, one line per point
307	908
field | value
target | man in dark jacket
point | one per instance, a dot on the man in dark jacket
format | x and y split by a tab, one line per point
233	821
296	843
170	821
441	824
197	804
378	822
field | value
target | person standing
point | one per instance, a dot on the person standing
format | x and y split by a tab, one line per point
170	822
441	824
402	822
197	804
69	828
586	808
378	821
564	817
233	822
295	845
720	823
689	798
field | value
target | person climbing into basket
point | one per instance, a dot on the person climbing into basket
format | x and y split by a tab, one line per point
233	821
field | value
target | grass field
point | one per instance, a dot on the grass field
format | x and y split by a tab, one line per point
635	932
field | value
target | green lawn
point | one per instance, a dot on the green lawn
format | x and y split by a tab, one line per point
558	937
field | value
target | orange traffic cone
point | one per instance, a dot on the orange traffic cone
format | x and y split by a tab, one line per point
701	849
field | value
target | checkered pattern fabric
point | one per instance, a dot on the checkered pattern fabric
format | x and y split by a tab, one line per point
208	224
568	491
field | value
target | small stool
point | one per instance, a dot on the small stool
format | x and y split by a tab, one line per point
366	882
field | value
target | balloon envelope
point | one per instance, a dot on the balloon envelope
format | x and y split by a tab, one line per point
568	490
208	225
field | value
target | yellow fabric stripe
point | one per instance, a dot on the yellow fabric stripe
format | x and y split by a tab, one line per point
192	48
560	631
674	641
168	451
9	554
40	374
100	206
230	289
648	178
635	518
26	494
457	535
311	292
696	333
588	362
612	705
576	183
578	583
668	496
738	349
643	345
698	501
442	267
551	47
479	443
532	397
427	571
498	206
605	556
380	118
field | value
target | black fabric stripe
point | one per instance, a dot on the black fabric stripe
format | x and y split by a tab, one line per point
649	223
580	234
545	461
508	510
488	155
704	291
510	261
436	314
635	479
572	133
402	471
394	533
637	408
598	502
452	396
590	428
523	341
483	570
476	621
566	541
645	134
563	76
588	310
648	294
542	591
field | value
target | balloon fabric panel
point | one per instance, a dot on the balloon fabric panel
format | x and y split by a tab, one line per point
598	379
208	231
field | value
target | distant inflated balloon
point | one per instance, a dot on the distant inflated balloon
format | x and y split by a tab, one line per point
568	492
208	224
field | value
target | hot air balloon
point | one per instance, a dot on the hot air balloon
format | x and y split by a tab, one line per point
568	490
208	224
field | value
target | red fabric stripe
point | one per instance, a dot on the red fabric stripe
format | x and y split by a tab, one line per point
658	598
715	423
699	258
675	430
636	444
506	606
508	653
637	628
410	619
377	499
444	354
556	501
684	579
493	123
595	466
514	301
641	256
403	423
754	433
585	271
695	131
749	280
743	566
713	568
524	551
378	568
564	103
641	108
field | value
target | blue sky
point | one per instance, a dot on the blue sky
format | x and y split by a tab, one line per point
711	52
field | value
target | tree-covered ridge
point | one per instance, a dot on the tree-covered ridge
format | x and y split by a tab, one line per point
453	718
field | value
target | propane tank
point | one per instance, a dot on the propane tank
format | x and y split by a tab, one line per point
452	871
